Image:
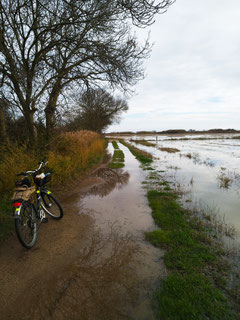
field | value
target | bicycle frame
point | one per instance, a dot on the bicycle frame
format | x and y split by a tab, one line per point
39	205
28	211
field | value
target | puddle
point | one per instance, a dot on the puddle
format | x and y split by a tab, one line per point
98	284
124	205
95	263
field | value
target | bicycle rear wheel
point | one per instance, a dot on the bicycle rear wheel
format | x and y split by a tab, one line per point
51	206
26	225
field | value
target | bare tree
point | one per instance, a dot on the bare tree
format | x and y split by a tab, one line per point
47	45
98	109
3	132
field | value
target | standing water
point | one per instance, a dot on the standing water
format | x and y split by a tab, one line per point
205	167
126	207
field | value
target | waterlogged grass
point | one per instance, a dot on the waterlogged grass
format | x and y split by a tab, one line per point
115	145
169	150
192	290
142	156
144	143
195	286
118	157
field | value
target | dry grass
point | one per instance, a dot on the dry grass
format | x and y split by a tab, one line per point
13	160
195	156
224	179
73	152
144	143
169	150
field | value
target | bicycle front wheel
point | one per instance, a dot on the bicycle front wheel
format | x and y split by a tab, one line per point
26	225
51	206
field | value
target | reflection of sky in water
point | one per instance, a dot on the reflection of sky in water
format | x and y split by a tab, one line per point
127	207
204	168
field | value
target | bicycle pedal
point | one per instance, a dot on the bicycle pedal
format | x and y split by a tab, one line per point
44	220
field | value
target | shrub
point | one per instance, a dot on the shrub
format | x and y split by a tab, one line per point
73	152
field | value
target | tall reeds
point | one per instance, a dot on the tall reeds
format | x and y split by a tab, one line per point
74	152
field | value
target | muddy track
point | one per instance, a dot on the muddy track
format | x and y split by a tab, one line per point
79	269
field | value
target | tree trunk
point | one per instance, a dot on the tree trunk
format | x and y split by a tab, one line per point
32	130
3	133
50	121
51	108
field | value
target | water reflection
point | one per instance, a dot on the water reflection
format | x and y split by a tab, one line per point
213	166
99	284
111	179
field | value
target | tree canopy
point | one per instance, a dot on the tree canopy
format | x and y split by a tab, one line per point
98	109
46	46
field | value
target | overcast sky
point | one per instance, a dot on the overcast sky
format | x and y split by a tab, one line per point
193	75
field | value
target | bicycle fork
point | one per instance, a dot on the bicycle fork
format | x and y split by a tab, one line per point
42	215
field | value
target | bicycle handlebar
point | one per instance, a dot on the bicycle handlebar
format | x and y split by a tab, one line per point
27	173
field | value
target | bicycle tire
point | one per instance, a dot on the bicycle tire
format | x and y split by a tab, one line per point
51	206
26	225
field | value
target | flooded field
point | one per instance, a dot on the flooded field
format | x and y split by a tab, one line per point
206	169
96	264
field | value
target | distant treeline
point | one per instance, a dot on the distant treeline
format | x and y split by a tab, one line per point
176	131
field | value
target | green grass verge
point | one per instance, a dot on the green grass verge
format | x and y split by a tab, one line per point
194	288
191	297
113	165
142	156
191	289
115	145
118	157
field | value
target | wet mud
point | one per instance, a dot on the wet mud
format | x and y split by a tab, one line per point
95	263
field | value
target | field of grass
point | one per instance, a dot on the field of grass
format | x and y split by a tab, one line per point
197	265
70	155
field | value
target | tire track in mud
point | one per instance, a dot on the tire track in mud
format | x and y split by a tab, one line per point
94	264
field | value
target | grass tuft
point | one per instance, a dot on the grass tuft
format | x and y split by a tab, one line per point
169	150
118	157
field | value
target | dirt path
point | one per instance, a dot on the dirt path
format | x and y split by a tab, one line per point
94	264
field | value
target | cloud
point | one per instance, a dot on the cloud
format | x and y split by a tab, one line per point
193	75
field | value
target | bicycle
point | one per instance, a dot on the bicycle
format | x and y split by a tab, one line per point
27	213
